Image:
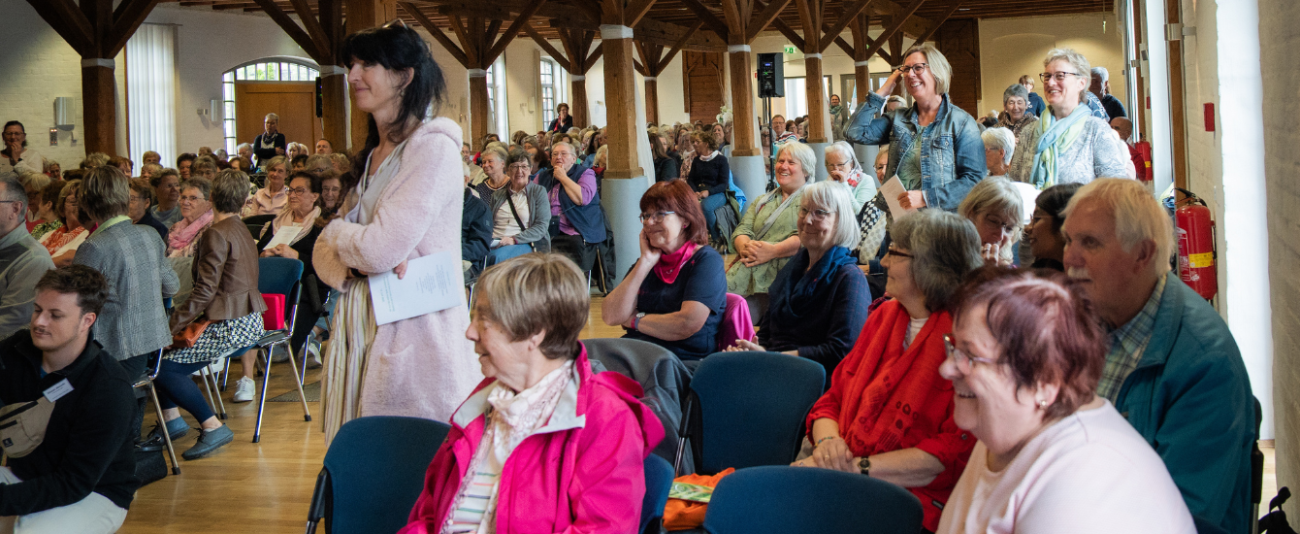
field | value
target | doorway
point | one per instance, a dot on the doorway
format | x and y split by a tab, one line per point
286	88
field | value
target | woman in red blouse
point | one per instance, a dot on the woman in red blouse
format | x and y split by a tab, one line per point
888	413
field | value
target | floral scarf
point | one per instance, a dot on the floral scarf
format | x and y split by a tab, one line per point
182	233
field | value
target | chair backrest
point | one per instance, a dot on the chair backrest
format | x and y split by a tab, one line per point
280	276
736	322
658	480
662	376
376	467
802	500
752	407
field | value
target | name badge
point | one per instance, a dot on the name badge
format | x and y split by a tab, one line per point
57	391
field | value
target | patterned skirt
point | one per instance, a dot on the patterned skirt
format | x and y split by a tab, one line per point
221	338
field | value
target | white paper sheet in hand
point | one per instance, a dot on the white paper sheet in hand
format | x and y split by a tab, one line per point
284	236
891	190
431	284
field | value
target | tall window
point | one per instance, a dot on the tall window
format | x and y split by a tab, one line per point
151	91
259	71
548	92
496	85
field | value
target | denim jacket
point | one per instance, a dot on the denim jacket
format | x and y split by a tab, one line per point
952	153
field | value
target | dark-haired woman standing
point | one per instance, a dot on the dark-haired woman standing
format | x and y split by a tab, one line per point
409	191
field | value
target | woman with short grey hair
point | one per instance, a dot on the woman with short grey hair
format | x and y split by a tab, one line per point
1024	125
1073	145
996	208
271	142
768	233
819	299
842	166
999	146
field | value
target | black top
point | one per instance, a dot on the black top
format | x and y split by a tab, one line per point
1047	263
828	333
666	168
262	155
711	176
88	444
475	230
558	126
1114	107
153	222
702	279
304	247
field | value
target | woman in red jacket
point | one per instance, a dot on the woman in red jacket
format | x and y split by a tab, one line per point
888	413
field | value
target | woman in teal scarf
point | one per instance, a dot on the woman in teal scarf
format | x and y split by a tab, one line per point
1073	146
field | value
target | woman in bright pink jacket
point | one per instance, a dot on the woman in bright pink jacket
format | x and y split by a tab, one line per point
542	445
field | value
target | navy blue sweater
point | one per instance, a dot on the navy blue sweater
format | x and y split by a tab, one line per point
826	335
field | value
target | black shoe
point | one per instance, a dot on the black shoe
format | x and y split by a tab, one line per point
153	441
209	441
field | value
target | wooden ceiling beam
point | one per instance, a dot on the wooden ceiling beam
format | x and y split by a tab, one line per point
711	20
324	46
436	32
956	4
735	21
546	45
668	34
764	18
845	17
809	18
291	28
677	46
883	38
513	30
595	54
127	18
636	10
789	33
914	25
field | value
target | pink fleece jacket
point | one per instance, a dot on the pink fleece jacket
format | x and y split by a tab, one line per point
581	472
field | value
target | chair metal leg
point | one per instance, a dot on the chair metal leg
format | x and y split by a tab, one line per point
221	403
297	378
600	263
304	352
225	374
261	402
207	386
167	438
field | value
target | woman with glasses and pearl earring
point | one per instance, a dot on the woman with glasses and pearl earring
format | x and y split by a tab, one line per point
934	146
676	292
1073	146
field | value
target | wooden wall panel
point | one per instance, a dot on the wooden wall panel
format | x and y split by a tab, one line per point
959	40
294	102
704	85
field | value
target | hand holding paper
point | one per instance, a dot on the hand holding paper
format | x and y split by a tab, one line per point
892	190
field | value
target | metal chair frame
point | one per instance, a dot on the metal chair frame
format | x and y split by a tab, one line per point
267	344
147	382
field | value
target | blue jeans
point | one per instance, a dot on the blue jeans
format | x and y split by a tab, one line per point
710	203
500	254
177	388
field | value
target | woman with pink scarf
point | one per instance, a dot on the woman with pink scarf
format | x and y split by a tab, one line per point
677	291
196	217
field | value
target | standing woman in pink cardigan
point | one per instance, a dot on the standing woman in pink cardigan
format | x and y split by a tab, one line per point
408	195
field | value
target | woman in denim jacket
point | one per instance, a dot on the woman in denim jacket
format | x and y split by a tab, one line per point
934	146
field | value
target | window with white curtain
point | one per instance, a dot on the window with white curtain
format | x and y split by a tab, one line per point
548	71
151	91
497	113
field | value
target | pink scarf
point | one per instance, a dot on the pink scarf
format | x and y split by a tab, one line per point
182	234
670	265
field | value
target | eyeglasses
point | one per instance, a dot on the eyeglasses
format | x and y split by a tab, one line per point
395	22
192	199
655	217
520	167
136	199
917	68
881	166
834	166
964	361
1003	226
818	215
1059	76
299	191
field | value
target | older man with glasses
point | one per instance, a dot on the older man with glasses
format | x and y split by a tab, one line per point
22	259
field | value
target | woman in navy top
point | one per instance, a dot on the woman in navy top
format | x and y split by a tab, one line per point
675	294
709	177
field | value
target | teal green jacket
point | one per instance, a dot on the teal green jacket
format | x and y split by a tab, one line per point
1190	398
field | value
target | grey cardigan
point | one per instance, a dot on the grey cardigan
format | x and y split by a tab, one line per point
22	262
139	278
537	233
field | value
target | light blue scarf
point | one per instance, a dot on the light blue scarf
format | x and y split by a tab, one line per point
1056	136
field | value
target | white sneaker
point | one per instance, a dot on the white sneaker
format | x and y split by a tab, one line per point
244	389
313	355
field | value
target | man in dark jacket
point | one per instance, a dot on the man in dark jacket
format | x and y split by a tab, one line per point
81	477
475	234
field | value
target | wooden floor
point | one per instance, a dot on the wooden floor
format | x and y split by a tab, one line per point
266	487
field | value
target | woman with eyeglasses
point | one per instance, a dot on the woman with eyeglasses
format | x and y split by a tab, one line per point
996	208
819	299
1024	358
521	213
842	166
63	241
302	221
934	146
888	413
675	294
1073	145
1016	116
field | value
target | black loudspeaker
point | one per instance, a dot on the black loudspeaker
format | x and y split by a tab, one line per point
771	76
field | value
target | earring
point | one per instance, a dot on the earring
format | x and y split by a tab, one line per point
1042	405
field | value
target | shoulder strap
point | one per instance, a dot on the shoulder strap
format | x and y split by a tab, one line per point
515	212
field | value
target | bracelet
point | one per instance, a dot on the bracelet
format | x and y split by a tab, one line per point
819	442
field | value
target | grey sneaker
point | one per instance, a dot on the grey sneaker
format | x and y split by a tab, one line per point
153	441
209	441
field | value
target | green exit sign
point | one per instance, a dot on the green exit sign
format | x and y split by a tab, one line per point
789	49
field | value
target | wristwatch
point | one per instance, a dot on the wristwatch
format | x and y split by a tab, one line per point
636	320
864	466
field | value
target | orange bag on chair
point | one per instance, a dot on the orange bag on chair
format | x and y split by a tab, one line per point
190	334
685	515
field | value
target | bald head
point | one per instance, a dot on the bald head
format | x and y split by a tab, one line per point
1123	126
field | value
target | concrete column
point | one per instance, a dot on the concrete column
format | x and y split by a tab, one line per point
99	105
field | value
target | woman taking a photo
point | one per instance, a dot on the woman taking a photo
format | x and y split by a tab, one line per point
410	198
676	292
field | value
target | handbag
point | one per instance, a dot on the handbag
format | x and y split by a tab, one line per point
190	334
22	426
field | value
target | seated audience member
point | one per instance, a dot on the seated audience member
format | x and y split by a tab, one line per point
244	150
997	209
819	299
133	325
125	165
521	216
47	211
709	177
225	293
149	170
297	149
1043	234
298	163
323	146
53	169
541	423
167	189
685	153
240	164
768	234
138	209
1172	366
33	184
185	164
318	164
196	217
342	162
493	163
999	146
63	241
95	159
270	143
562	121
301	217
1024	358
888	413
150	158
676	293
204	167
577	220
331	194
842	166
666	167
22	259
475	234
16	156
81	476
271	200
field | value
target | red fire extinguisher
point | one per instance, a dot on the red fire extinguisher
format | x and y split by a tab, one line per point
1196	253
1141	155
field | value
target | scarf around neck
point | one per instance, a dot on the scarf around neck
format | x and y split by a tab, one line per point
804	290
670	265
285	218
182	233
1056	137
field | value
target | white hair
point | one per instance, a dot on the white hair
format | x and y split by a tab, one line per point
1101	73
843	148
1001	138
242	146
1138	216
271	117
835	198
804	155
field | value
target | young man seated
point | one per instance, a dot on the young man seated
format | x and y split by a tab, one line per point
81	476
